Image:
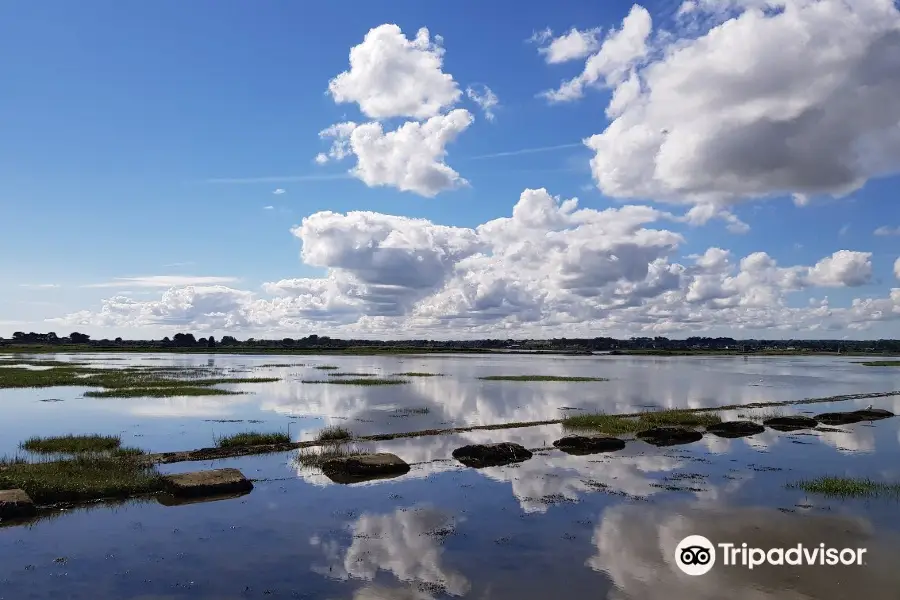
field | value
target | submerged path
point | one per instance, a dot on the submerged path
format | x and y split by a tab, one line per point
219	453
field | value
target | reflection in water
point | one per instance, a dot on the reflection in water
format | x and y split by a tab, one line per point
405	543
635	547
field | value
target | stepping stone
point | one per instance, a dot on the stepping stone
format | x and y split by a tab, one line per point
478	456
581	445
735	429
839	418
207	483
670	436
873	414
792	423
16	504
367	467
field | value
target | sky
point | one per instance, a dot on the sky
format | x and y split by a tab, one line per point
407	169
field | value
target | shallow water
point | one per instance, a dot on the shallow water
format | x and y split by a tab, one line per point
457	398
599	526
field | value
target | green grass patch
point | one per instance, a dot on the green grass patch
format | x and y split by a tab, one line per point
252	438
359	381
538	378
334	433
314	457
417	374
882	363
340	374
325	367
619	425
71	444
844	487
79	479
161	392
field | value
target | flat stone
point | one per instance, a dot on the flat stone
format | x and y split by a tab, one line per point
366	467
478	456
791	423
873	414
735	429
839	418
670	436
207	483
16	504
581	445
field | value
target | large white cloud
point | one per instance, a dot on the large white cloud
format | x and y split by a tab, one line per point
549	269
768	98
392	76
571	45
409	158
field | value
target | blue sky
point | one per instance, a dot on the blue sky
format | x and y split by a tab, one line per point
147	140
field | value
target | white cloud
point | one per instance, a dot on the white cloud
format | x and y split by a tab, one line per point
392	76
484	97
279	191
40	286
570	46
410	158
621	50
767	98
550	269
162	281
885	230
897	269
270	207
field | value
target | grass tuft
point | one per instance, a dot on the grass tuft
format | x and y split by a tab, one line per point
334	433
79	479
326	367
314	457
538	378
844	487
882	363
360	381
417	374
71	444
617	425
340	374
161	392
252	438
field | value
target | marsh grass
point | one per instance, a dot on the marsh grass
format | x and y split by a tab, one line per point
763	415
71	444
7	362
252	438
340	374
80	478
314	457
359	381
417	374
334	433
881	363
278	365
844	487
619	425
117	379
325	367
538	378
161	392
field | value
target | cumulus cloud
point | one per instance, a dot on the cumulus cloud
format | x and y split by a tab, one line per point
767	98
551	268
392	76
485	98
410	158
570	46
279	191
897	269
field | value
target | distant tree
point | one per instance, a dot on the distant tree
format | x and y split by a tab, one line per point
202	342
287	341
184	339
79	338
118	340
228	340
19	336
211	342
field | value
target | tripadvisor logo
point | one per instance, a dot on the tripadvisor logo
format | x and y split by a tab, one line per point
696	555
